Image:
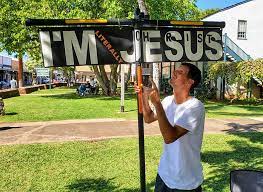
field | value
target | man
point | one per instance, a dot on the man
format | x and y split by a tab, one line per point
92	85
181	122
13	83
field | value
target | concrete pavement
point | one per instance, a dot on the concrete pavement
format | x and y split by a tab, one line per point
97	129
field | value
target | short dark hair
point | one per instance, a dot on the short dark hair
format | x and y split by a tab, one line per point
194	73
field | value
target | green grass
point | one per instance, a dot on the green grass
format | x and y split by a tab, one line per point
226	110
61	104
112	165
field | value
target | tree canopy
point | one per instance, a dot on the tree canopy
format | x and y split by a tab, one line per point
234	71
16	37
237	72
252	68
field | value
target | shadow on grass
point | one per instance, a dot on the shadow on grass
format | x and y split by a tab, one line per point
243	156
130	110
254	137
102	185
65	96
11	113
219	105
236	127
237	114
213	106
257	108
98	97
7	128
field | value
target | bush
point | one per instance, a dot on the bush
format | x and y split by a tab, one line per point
248	101
203	92
166	87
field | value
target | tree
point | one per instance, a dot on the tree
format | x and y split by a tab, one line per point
237	72
251	68
16	37
206	12
173	9
227	71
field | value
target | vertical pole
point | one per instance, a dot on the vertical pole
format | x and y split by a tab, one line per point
141	130
170	70
122	87
137	26
225	47
250	87
161	87
20	72
50	78
223	79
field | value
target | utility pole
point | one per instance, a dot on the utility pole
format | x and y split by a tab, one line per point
122	87
20	71
139	17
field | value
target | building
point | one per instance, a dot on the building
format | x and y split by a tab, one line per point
27	76
9	70
244	25
242	36
6	72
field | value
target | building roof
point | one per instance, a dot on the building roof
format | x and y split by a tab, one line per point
229	7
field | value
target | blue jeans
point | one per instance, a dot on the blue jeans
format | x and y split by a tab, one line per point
161	187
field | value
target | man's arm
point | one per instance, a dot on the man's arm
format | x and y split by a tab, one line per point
170	133
148	114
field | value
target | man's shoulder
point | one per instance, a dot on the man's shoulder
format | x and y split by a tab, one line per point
168	99
195	103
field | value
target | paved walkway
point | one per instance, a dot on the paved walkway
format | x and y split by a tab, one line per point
71	130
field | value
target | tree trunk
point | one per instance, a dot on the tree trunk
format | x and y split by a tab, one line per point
101	79
142	7
224	88
155	68
238	90
20	71
113	79
109	86
156	74
128	78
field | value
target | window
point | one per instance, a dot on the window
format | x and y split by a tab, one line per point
242	29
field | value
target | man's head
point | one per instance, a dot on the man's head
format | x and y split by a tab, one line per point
187	76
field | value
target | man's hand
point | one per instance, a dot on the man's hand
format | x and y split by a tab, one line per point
154	94
149	93
137	88
148	114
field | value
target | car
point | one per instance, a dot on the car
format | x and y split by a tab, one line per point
46	80
4	85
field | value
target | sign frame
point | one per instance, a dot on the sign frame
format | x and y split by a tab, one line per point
139	23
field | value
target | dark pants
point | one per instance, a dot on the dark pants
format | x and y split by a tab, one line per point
161	187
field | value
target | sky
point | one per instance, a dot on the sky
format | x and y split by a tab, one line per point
209	4
202	4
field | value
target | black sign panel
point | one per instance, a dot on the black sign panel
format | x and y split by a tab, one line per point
114	45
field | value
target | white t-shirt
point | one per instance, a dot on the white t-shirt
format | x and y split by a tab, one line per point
180	165
13	84
92	82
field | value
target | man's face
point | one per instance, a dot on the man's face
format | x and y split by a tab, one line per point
179	77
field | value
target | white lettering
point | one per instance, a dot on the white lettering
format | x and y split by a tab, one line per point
171	38
71	41
188	46
214	45
135	56
56	35
148	45
46	48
